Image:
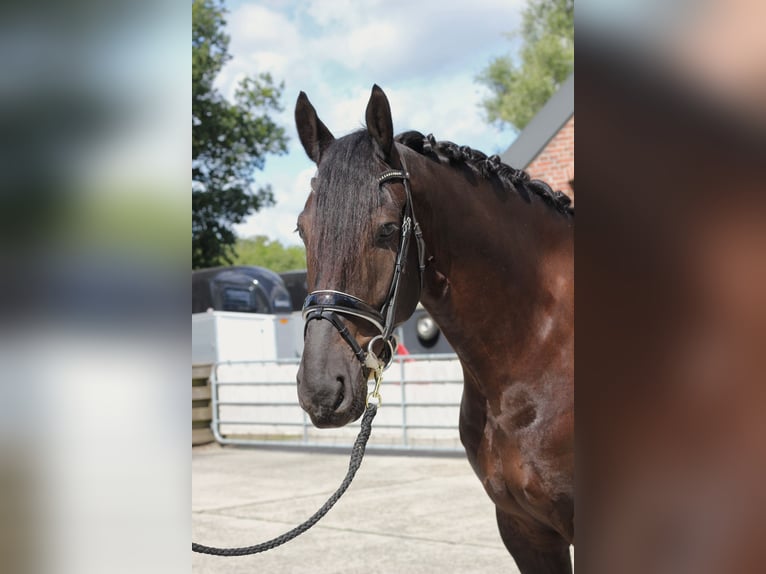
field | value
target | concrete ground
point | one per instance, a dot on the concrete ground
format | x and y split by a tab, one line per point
401	515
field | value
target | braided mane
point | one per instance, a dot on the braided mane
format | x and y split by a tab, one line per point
488	167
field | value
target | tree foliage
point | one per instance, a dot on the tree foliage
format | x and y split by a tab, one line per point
230	140
265	252
518	91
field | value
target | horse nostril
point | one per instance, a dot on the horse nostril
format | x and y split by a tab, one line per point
341	395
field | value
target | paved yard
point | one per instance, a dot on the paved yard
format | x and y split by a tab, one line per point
402	514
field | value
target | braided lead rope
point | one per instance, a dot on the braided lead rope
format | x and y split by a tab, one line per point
357	452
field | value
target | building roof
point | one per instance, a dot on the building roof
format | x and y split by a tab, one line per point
542	128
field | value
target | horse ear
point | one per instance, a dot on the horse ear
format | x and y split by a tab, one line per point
379	123
313	134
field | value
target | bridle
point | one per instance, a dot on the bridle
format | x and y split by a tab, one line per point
329	304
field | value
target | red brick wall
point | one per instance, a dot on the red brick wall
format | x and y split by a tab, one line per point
555	163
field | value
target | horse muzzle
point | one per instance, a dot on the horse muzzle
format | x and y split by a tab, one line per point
332	386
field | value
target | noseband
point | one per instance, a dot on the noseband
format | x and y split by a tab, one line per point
328	304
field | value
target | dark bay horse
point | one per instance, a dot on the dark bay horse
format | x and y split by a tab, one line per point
489	252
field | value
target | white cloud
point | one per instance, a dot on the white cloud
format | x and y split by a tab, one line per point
385	42
339	12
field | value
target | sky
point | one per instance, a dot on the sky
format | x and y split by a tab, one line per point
424	54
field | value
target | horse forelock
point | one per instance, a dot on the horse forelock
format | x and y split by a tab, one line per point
346	196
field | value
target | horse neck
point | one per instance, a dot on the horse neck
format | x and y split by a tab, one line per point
501	272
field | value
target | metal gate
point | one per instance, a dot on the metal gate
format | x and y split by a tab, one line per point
255	403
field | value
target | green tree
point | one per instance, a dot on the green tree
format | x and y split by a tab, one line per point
265	252
518	91
229	140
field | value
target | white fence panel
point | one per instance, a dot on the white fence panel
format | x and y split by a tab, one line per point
255	403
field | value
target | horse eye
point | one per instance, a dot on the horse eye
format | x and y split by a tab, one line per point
386	232
299	231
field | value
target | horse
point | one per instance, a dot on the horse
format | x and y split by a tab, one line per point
393	220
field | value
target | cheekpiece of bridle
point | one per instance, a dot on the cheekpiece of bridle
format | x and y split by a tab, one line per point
328	304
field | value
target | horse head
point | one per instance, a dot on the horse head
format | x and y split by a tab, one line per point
356	226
